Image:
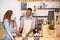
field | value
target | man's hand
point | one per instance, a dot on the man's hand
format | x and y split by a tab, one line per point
27	35
19	34
29	32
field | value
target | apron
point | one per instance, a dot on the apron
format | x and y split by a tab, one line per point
27	27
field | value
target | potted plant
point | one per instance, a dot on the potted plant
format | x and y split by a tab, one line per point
51	29
34	8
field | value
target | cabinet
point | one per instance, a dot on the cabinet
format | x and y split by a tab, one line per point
57	29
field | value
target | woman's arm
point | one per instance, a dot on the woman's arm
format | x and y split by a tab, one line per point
6	25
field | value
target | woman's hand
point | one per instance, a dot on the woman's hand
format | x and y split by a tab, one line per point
12	38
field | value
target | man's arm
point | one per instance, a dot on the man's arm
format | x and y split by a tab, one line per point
20	28
19	32
33	26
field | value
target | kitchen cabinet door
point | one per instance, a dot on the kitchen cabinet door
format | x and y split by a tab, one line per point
57	29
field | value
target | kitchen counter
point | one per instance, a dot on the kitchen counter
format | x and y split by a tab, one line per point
46	35
40	38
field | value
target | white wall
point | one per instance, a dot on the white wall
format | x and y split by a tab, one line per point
10	5
42	12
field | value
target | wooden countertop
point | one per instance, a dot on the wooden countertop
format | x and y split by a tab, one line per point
46	35
40	38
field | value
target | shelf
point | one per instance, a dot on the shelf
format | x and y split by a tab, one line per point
47	8
39	0
39	16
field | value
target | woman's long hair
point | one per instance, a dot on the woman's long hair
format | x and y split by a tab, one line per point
8	15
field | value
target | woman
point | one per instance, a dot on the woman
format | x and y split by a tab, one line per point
8	25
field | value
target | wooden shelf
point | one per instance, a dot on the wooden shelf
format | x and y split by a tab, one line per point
47	8
39	16
39	0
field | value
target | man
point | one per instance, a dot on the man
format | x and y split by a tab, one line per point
28	30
